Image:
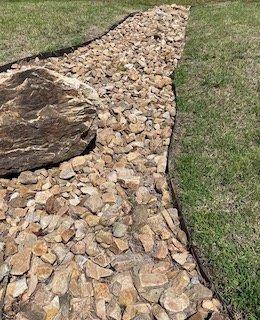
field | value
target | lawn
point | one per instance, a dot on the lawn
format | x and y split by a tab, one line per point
216	156
29	27
215	161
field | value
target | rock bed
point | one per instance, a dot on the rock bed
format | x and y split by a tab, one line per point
97	237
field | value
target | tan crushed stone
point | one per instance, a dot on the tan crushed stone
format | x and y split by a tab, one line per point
97	237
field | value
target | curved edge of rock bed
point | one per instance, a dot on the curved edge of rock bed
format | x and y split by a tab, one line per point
173	185
99	237
63	51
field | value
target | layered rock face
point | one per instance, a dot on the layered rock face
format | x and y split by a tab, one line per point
44	118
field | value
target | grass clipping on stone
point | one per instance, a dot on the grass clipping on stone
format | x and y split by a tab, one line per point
216	155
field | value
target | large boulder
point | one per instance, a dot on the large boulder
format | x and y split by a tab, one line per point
45	118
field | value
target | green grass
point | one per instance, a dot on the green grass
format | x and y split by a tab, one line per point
30	27
216	160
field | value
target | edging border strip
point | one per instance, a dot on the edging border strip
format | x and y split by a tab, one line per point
183	223
60	52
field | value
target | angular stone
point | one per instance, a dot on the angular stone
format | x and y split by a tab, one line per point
101	309
102	259
52	309
78	248
152	295
27	177
114	311
125	289
199	292
168	219
209	305
4	270
40	248
160	182
147	242
60	251
31	311
92	246
180	282
18	202
159	313
119	246
127	177
161	250
161	81
81	306
92	220
60	281
180	257
149	280
140	216
41	197
119	230
174	303
26	240
45	118
44	271
161	164
49	257
143	195
20	262
16	288
126	261
94	271
2	215
67	234
10	246
67	171
109	197
137	311
101	291
78	163
89	189
94	203
104	237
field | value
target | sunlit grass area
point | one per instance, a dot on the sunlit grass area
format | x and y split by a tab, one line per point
217	153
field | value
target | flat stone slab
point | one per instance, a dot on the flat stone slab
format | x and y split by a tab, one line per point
45	118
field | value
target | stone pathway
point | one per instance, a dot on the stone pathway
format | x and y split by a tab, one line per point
97	237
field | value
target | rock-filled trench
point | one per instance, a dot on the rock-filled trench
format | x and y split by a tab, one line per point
97	237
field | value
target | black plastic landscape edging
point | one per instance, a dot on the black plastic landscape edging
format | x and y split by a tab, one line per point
183	224
67	50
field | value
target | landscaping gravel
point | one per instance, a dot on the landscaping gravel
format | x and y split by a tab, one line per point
98	236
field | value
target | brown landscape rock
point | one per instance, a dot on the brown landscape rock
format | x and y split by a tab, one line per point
20	262
97	237
174	303
124	288
16	288
44	118
160	313
94	271
60	280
